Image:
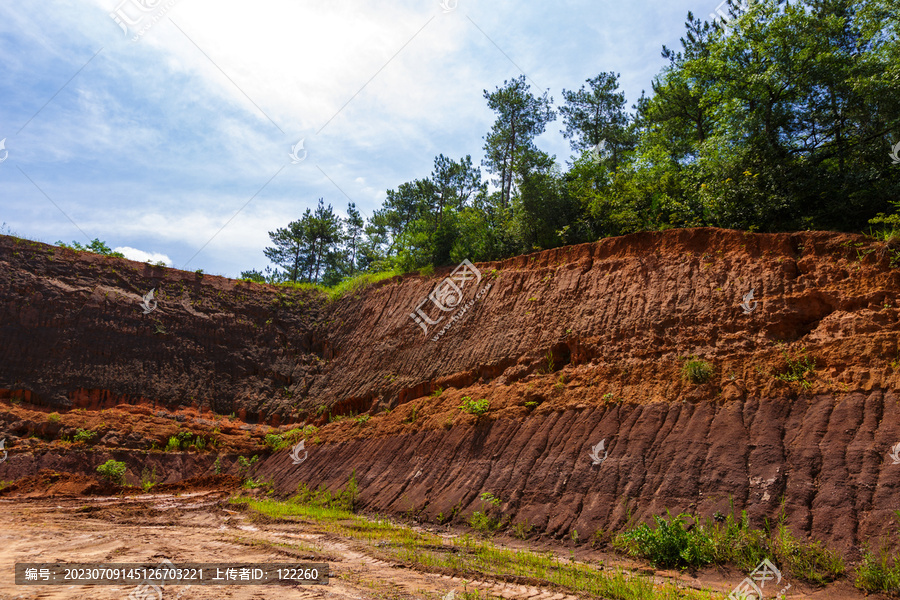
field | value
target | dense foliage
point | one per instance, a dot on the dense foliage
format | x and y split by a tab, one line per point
783	120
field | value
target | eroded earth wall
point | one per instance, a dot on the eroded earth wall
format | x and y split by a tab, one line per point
568	347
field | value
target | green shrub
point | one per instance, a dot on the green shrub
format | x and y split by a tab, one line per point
53	417
113	471
184	440
675	542
275	442
696	370
475	407
484	523
669	544
85	435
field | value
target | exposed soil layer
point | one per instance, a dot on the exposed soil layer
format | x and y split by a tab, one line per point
569	347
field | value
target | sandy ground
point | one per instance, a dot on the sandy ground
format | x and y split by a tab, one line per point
196	528
199	527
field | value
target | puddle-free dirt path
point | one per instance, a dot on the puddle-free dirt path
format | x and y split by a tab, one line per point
200	527
197	528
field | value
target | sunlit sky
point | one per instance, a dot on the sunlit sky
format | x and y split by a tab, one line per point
173	141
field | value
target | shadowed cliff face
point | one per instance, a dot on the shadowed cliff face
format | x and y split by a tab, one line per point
569	346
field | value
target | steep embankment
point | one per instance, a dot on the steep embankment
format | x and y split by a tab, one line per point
570	347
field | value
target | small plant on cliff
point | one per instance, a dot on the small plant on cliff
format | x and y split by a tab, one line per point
113	471
475	407
412	416
217	466
482	520
148	479
696	370
522	530
85	435
183	440
274	442
53	417
798	366
550	364
244	464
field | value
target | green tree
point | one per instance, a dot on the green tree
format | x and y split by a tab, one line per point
354	227
521	117
597	114
290	249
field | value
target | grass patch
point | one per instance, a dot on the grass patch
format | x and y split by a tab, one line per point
472	557
696	370
357	284
878	572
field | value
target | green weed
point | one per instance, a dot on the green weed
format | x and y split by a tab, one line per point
475	407
696	370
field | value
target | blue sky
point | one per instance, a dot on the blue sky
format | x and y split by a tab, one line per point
174	141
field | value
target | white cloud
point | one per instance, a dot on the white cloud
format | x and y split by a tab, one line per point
141	256
152	145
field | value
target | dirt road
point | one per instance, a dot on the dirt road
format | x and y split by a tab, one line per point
197	527
201	526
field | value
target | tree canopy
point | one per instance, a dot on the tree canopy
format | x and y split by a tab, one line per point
783	120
